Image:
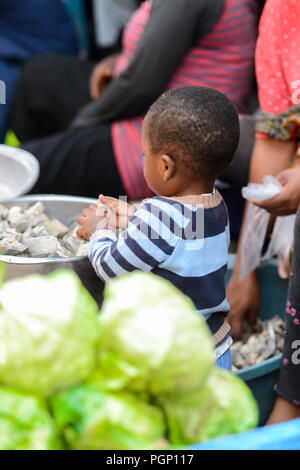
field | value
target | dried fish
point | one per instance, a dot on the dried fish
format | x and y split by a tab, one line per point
17	219
71	241
41	247
3	212
83	250
35	214
264	341
11	247
56	228
63	252
32	233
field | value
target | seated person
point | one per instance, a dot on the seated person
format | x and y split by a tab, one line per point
27	29
90	123
189	138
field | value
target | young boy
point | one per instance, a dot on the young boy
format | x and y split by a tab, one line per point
182	234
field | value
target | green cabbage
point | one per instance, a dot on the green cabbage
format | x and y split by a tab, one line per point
92	420
225	405
25	423
49	330
152	339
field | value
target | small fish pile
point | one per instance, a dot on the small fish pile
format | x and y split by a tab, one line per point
31	233
264	341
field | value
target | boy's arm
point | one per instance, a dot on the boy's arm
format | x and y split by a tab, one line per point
140	247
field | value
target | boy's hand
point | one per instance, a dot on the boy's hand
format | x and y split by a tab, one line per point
89	221
118	212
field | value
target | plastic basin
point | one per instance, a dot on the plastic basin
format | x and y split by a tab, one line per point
262	377
284	436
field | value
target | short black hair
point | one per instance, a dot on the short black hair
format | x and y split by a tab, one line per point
197	124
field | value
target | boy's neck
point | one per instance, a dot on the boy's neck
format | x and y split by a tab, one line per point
195	189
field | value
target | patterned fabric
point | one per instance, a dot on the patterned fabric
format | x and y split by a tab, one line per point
222	60
277	56
175	240
289	381
285	126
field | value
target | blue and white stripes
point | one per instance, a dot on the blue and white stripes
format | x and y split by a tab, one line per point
182	242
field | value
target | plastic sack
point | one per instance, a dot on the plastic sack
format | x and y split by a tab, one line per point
281	241
256	225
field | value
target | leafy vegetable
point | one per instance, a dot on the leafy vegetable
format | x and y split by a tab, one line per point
152	339
49	331
25	423
92	420
223	406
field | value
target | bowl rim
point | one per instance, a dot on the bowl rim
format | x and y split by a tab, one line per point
264	368
25	159
19	260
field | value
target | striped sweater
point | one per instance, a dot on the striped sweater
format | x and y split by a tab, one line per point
183	240
223	59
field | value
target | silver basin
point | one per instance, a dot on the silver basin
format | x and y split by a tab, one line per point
66	209
19	171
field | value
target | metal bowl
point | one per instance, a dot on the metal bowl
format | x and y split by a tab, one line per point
19	171
66	209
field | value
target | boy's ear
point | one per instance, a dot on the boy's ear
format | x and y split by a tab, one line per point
168	167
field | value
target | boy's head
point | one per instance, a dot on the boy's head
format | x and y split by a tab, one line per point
189	138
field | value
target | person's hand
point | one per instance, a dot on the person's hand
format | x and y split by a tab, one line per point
243	297
90	221
288	200
102	75
118	212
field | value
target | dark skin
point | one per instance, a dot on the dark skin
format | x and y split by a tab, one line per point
166	175
288	200
101	76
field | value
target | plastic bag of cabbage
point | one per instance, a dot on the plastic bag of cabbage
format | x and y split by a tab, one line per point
109	381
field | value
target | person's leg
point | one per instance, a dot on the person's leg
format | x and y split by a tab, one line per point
288	404
9	72
79	162
50	91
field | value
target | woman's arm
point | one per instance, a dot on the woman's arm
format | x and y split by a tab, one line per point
270	157
172	29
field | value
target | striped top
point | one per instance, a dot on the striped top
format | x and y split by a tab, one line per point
223	59
182	240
